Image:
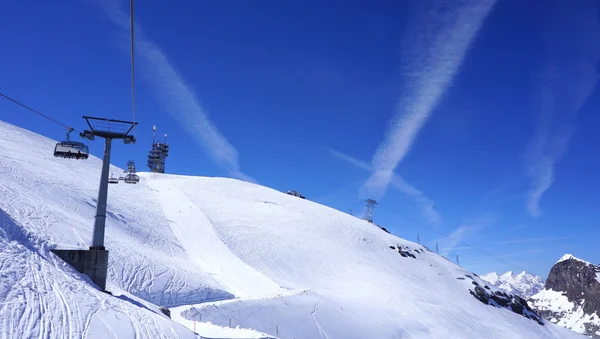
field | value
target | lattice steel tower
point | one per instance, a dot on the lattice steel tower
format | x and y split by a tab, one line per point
369	210
158	154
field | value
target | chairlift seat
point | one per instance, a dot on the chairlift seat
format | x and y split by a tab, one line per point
132	179
113	180
71	150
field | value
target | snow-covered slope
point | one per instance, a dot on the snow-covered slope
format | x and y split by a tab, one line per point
523	284
571	296
223	251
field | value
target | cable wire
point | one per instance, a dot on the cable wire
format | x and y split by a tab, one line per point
36	112
132	67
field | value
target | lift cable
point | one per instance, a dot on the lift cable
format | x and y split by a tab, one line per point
37	112
132	24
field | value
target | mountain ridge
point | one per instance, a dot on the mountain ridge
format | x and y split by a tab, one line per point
303	270
523	284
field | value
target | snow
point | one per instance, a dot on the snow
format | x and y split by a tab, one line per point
570	315
523	284
216	250
569	257
491	277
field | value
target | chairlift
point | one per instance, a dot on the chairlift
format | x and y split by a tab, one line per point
131	179
113	180
71	149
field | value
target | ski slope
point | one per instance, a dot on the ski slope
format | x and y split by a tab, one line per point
217	250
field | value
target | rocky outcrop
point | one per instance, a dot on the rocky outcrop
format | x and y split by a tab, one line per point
407	252
579	280
571	296
501	299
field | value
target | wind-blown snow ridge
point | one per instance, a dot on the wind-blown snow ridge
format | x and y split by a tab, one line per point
304	270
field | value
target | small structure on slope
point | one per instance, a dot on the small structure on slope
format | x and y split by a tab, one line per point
296	194
369	210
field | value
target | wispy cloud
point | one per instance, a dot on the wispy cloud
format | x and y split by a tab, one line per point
176	95
467	229
426	205
519	241
438	37
566	82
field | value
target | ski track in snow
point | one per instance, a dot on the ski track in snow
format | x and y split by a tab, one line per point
219	249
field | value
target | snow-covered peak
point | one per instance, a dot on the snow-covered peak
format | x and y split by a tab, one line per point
569	256
491	277
523	284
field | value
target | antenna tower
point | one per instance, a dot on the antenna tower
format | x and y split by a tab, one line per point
158	154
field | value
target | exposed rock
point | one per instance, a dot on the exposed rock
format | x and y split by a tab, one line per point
571	296
498	298
408	252
580	280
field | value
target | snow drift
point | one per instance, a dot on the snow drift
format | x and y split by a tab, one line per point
224	251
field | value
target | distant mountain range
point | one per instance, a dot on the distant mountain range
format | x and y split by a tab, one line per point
523	284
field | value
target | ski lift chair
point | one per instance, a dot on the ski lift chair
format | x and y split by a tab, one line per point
132	179
71	149
113	180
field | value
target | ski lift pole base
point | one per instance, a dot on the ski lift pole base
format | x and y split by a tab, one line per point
92	262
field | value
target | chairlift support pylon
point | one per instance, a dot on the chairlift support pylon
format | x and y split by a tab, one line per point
71	149
108	129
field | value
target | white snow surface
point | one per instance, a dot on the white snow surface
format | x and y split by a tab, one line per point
523	284
569	257
569	314
216	250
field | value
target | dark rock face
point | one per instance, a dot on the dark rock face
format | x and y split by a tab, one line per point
579	280
407	252
511	302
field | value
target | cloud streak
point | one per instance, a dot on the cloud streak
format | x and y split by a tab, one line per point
438	37
175	94
566	82
520	241
450	243
426	205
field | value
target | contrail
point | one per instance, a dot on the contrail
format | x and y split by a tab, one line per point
423	202
519	241
568	79
438	37
177	97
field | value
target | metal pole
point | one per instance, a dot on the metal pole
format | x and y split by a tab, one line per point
100	222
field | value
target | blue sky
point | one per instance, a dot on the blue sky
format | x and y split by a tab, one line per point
473	124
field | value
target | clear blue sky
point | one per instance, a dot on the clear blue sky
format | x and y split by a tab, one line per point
286	82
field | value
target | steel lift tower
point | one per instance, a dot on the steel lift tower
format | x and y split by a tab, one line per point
94	262
369	210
